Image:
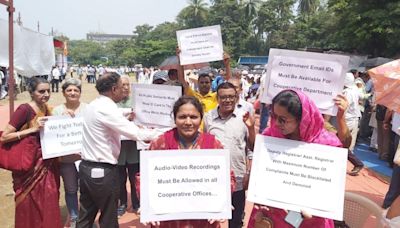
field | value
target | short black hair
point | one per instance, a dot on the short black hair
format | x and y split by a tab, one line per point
291	101
107	81
187	100
205	75
226	85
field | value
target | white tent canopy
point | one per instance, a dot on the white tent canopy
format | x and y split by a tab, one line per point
33	51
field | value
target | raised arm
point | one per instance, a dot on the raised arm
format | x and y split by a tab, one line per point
181	72
227	65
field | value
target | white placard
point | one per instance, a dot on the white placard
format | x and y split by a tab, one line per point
61	135
320	76
153	104
296	176
185	184
396	123
200	45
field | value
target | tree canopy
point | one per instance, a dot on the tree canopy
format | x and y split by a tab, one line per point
251	27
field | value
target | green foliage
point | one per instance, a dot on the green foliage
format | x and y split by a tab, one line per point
85	52
251	27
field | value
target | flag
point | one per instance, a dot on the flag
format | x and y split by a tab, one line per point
65	48
58	43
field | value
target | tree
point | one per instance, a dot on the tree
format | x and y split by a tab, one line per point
85	52
307	7
194	15
367	26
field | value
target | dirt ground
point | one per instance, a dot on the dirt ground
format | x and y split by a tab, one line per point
7	205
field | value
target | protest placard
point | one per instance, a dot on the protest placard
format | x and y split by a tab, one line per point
320	76
200	45
61	135
296	176
185	184
153	104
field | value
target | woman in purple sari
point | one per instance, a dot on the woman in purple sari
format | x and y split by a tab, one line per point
294	116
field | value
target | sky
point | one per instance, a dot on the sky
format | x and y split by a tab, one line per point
75	18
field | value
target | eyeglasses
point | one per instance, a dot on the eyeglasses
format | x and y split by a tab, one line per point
282	120
227	97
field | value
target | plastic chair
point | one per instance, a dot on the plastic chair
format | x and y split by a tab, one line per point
360	212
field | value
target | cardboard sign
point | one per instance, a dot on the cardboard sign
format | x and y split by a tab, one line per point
200	45
296	176
185	184
320	76
153	104
61	135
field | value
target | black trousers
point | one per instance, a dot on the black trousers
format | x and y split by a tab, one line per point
98	194
238	202
54	84
133	169
353	159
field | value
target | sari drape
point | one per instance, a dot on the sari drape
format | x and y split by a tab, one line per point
312	130
37	189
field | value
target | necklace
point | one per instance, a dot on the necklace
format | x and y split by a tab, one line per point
189	146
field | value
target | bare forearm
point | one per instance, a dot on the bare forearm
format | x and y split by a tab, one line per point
10	136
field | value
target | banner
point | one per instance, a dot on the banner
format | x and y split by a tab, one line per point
153	104
61	135
33	51
200	45
185	184
296	176
320	76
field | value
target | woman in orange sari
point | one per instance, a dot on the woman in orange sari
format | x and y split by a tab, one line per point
37	186
188	114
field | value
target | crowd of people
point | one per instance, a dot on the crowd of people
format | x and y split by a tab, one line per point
216	110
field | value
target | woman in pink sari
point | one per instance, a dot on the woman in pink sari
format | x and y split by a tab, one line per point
37	185
188	113
294	116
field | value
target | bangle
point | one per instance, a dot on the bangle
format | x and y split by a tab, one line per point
18	135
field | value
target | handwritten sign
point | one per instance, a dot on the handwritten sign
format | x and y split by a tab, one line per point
185	184
296	176
153	104
200	45
320	76
61	135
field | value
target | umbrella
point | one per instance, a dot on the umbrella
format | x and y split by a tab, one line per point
375	62
386	79
172	63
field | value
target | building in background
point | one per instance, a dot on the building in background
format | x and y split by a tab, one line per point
103	38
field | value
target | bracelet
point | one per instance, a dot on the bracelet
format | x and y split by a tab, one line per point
18	135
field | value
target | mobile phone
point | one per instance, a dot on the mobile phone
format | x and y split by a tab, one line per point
294	218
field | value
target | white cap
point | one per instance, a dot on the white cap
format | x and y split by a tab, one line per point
349	80
245	72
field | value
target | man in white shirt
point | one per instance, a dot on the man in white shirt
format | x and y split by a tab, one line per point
352	116
55	78
103	126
